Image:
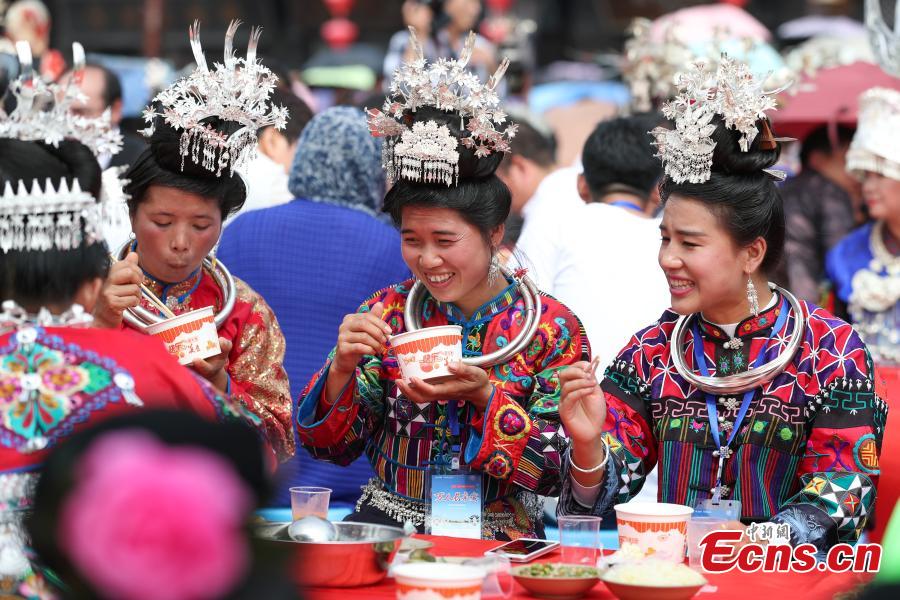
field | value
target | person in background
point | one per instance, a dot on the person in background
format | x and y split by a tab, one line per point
316	256
103	91
29	21
267	174
420	15
821	205
543	195
459	18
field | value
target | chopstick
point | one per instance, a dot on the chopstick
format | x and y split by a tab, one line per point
151	297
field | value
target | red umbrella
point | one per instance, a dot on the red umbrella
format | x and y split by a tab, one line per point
829	96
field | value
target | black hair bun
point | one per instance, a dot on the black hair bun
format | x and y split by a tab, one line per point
166	146
70	159
729	159
470	166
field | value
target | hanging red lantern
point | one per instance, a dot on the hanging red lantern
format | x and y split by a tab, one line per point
339	33
339	8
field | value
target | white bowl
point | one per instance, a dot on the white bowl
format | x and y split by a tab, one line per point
658	528
189	336
427	353
438	581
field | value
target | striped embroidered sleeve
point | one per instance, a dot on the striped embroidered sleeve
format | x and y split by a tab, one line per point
838	473
522	443
338	433
628	431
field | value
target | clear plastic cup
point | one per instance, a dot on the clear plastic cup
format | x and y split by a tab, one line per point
307	501
697	528
499	580
579	540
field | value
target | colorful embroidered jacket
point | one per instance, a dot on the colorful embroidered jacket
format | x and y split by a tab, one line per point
55	381
516	443
806	453
255	371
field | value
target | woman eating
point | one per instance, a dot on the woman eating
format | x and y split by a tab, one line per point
740	391
496	416
182	188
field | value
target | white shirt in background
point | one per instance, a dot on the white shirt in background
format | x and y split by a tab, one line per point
267	184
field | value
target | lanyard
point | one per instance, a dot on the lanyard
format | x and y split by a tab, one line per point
711	408
627	204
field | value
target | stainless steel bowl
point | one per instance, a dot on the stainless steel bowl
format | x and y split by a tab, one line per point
360	555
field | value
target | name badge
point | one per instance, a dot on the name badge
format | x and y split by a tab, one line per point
456	505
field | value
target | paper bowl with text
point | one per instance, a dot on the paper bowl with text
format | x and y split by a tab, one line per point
189	336
657	528
427	353
427	581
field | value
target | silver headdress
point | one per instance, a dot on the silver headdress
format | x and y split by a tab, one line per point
734	94
428	152
43	111
885	41
237	90
48	218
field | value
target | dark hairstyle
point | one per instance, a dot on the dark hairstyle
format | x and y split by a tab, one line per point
480	197
618	152
235	443
112	87
299	113
742	196
161	164
42	278
819	140
533	144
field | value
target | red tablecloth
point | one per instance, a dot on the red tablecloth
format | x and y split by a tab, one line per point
735	585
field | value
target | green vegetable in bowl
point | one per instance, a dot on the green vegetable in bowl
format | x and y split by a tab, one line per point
552	570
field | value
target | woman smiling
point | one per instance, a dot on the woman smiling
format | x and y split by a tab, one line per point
740	391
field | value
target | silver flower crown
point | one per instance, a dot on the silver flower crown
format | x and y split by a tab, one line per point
48	218
237	91
428	152
43	111
885	41
734	94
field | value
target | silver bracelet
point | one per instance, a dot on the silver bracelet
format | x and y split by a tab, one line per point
594	469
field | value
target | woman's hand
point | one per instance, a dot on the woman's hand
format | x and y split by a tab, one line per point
213	368
360	334
582	410
121	290
469	383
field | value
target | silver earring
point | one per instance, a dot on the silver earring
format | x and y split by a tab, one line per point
752	297
493	270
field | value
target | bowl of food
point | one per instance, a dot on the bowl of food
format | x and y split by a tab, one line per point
658	528
189	336
427	353
433	581
653	579
556	581
360	554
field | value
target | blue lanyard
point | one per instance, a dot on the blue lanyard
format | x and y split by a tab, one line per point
627	204
712	411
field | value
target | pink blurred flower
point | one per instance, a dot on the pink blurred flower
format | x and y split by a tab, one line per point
149	521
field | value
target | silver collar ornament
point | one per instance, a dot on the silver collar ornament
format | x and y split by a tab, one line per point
732	93
427	152
885	41
43	111
235	91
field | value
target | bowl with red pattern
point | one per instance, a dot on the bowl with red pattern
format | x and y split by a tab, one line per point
427	353
659	529
189	336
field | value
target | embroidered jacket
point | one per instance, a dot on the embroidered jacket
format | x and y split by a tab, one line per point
806	453
255	371
516	443
55	381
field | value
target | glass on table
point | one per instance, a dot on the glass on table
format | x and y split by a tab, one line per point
499	580
309	500
697	528
579	539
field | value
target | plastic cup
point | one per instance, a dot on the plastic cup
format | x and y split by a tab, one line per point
579	539
499	580
697	528
307	501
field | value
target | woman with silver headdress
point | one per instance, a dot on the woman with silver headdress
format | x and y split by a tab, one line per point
496	416
741	392
58	374
181	190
